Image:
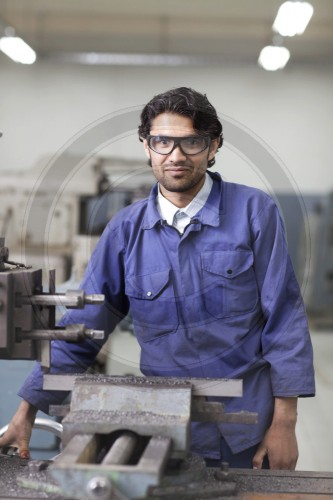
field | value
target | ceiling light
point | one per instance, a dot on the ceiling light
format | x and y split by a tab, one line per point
272	57
292	18
136	59
16	48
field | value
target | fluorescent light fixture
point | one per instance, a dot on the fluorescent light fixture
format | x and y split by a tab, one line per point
272	57
16	48
132	59
292	18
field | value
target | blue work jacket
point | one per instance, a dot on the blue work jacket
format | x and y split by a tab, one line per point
219	301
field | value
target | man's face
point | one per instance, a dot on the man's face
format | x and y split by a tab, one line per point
178	172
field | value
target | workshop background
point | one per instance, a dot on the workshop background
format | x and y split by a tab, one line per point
70	151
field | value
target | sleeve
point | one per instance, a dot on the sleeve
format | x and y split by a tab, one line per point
286	343
104	275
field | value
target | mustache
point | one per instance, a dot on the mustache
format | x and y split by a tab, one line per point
177	166
171	165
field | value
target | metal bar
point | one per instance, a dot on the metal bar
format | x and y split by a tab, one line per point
94	299
211	411
52	290
59	382
203	411
156	454
121	450
68	300
82	449
217	387
70	334
44	355
242	417
282	483
49	300
44	424
200	387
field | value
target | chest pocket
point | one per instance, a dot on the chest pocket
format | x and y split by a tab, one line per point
229	283
152	304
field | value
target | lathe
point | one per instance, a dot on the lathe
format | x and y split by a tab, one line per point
122	437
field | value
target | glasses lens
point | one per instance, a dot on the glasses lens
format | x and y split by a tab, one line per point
189	145
162	145
193	145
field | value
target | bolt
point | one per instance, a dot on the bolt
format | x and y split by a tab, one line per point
37	465
224	467
223	473
99	487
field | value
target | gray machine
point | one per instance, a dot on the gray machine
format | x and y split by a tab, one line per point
319	291
310	242
27	314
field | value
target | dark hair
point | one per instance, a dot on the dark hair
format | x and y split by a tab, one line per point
186	102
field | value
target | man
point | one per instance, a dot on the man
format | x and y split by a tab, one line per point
203	266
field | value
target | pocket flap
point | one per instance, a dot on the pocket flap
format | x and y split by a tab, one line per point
228	263
148	286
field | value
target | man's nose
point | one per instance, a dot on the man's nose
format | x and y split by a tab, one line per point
177	154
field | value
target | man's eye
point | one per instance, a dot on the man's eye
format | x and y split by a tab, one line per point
163	141
193	141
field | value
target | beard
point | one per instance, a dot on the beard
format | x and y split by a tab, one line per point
179	185
187	183
190	177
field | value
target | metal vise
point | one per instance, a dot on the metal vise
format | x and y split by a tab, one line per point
121	432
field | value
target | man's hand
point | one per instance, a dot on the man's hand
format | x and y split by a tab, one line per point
19	429
279	443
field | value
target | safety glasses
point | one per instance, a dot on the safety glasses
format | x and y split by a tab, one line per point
190	145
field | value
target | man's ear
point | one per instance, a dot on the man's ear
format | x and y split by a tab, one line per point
146	148
213	148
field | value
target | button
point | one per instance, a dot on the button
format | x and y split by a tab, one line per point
229	271
149	294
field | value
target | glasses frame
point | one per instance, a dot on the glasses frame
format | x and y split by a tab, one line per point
177	142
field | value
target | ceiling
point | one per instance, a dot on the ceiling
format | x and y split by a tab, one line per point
201	30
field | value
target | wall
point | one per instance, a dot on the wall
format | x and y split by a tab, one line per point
45	106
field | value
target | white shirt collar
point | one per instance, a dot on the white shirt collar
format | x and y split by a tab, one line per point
168	210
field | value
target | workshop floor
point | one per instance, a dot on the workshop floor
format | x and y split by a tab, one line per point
315	415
